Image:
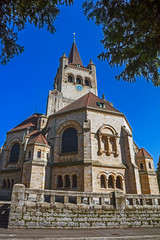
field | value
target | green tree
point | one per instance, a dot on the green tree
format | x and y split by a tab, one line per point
131	36
14	14
158	172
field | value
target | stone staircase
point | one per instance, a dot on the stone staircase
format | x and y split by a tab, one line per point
4	214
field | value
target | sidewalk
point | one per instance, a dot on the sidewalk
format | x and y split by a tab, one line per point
80	234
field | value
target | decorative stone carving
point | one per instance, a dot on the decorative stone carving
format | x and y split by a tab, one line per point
107	141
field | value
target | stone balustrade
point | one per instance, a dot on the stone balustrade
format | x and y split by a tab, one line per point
54	208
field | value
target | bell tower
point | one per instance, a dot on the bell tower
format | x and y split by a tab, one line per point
72	81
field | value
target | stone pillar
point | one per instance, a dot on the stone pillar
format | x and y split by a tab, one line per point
17	203
119	200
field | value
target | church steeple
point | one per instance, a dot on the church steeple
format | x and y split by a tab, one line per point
74	56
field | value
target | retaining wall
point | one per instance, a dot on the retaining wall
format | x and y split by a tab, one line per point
60	209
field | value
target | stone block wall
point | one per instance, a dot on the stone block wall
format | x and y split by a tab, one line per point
32	209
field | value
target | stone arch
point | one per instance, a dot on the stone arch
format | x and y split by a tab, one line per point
107	140
107	129
62	128
103	181
9	147
119	181
100	173
70	78
111	180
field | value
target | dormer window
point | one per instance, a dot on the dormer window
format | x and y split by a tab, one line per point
100	104
78	65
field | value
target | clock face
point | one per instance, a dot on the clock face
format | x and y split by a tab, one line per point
79	88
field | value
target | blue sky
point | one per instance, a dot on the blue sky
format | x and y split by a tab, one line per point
27	79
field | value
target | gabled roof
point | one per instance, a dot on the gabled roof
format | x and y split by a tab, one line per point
74	56
39	139
143	153
88	100
29	122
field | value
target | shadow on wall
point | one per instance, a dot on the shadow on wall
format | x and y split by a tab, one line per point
5	194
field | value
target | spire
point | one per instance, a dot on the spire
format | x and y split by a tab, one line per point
74	56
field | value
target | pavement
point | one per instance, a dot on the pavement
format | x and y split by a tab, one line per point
81	234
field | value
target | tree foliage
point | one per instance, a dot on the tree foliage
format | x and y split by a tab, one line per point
158	172
131	36
14	14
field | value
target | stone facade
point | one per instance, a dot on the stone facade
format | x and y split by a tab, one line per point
82	143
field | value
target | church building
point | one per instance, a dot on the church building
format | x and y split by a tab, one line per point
82	143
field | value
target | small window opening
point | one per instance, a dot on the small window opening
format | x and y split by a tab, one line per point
74	181
149	164
78	65
141	165
4	183
78	80
59	182
119	183
103	181
8	183
29	154
39	154
100	104
12	182
67	181
47	156
70	79
110	182
87	82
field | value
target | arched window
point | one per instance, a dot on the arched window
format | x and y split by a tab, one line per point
69	140
12	182
59	181
149	164
67	181
74	181
70	78
78	80
39	154
87	82
4	183
8	183
119	182
103	181
110	182
14	155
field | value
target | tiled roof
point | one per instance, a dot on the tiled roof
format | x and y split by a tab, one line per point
29	122
88	100
39	139
74	56
143	153
33	133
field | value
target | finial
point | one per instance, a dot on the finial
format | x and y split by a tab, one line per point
74	36
103	97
